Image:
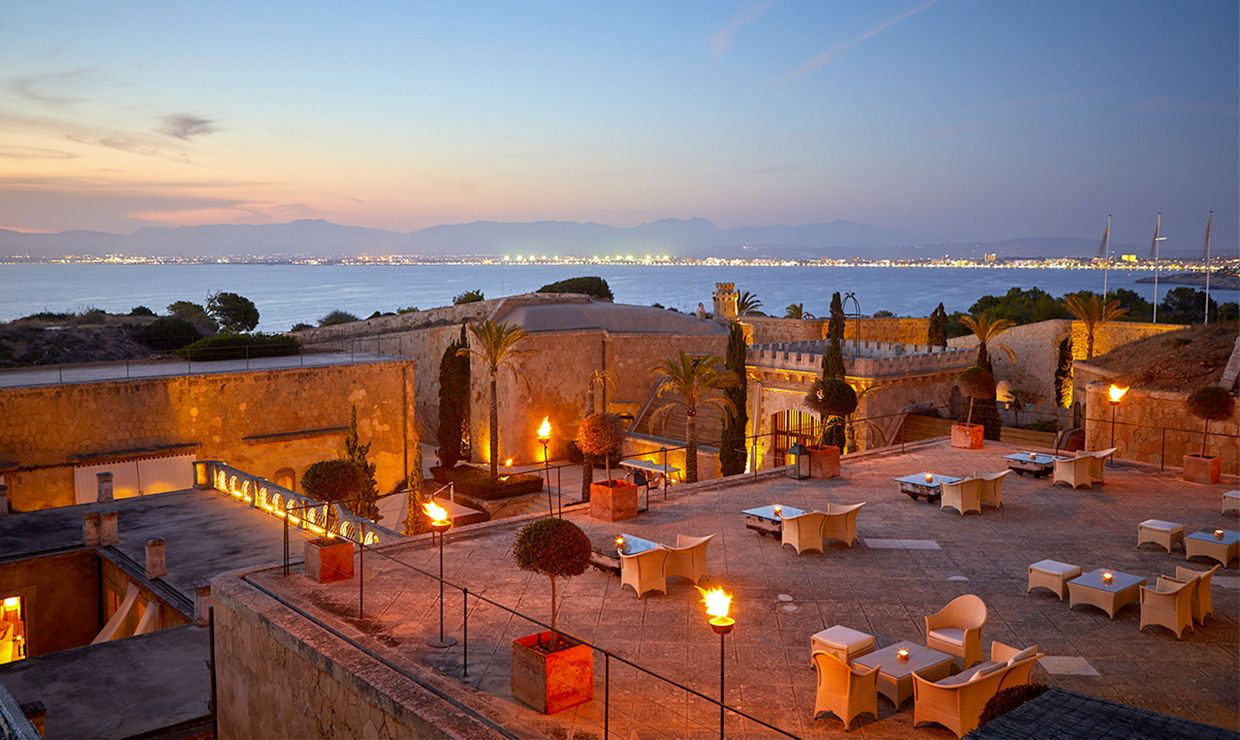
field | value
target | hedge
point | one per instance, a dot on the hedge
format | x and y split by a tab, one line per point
591	286
240	346
477	483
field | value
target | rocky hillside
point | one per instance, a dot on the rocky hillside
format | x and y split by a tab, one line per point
91	336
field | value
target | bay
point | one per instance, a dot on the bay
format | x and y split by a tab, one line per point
287	294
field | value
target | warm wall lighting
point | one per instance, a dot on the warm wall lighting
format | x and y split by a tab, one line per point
12	603
1115	393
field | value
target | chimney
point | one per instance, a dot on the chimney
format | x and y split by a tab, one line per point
156	558
105	486
202	603
90	529
108	521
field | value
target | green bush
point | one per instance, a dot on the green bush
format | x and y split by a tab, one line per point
300	326
234	313
555	548
477	483
334	481
469	296
240	346
1010	698
591	286
335	318
168	333
141	311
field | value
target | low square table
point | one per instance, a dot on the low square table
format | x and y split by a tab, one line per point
1034	463
895	676
917	485
764	520
1206	545
605	558
1124	588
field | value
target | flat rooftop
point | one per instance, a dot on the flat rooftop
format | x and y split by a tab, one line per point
135	369
618	318
913	559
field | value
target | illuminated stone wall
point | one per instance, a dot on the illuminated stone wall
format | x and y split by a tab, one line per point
260	421
760	330
278	675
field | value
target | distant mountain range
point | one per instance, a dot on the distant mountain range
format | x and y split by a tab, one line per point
693	237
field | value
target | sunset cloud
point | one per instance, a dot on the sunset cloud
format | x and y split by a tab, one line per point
186	127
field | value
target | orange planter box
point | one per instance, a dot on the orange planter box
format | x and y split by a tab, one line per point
551	682
1198	469
824	462
613	500
329	560
968	436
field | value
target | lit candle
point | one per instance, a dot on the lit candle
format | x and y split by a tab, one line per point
1033	456
1218	534
929	477
619	542
1107	577
902	654
779	510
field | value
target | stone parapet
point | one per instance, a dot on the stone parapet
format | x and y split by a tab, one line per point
861	359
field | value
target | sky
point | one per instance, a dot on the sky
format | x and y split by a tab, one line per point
961	119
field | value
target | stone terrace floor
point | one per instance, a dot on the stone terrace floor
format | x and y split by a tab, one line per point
781	599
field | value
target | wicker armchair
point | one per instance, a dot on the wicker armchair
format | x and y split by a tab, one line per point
804	532
1169	604
645	571
1098	469
992	488
1075	471
841	523
1203	597
953	702
956	629
688	557
964	495
843	690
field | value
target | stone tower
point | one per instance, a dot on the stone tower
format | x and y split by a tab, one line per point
725	300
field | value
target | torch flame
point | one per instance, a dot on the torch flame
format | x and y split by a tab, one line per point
1115	393
717	601
437	513
544	429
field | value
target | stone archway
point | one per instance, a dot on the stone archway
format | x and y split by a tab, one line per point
285	478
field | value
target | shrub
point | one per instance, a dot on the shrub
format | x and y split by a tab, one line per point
478	483
300	326
600	434
407	309
977	383
831	397
235	313
333	481
555	548
335	318
1210	403
141	311
168	333
1010	698
240	346
469	296
194	314
591	286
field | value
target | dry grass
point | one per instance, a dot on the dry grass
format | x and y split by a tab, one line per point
1175	361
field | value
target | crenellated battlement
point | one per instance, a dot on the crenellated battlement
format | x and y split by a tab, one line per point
862	359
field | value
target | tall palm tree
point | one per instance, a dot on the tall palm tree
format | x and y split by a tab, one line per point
797	311
748	304
1093	312
986	330
695	383
494	344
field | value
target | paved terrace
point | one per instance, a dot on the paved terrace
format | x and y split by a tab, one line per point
133	369
913	559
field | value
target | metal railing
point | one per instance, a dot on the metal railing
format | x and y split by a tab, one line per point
1188	439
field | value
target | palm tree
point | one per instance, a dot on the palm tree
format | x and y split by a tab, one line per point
986	330
748	304
696	382
797	311
494	346
1093	312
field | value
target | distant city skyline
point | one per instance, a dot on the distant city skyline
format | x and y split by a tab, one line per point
963	119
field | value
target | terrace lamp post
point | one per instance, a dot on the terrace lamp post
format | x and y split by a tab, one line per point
544	439
717	604
440	524
1114	395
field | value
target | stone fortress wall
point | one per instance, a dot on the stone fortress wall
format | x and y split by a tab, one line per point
272	423
894	330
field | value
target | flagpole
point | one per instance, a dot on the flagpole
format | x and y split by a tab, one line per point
1209	223
1157	238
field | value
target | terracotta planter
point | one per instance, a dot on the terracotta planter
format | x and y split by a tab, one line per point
824	462
329	560
613	500
551	682
1198	469
968	436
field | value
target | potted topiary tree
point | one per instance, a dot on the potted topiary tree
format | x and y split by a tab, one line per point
600	436
330	558
976	382
832	399
549	672
1208	403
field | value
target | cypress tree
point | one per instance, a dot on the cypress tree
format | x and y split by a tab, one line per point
732	444
833	368
1063	374
453	401
937	334
357	453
